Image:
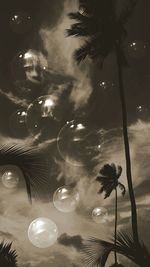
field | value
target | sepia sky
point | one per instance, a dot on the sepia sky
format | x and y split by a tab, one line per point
80	95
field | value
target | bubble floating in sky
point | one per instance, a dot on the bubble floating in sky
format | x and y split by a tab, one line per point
17	123
20	22
79	144
29	68
66	199
42	232
42	114
137	49
142	112
10	179
100	215
107	87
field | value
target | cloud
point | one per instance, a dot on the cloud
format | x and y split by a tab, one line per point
14	99
16	213
7	236
60	56
75	241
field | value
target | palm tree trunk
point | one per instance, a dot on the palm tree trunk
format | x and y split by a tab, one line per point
127	148
116	222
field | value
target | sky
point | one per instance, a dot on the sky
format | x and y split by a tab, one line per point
78	94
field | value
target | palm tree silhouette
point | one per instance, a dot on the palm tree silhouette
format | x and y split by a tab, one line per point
96	251
108	178
104	32
8	257
32	164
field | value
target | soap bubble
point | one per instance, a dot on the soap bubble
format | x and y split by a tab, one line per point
79	144
42	232
142	112
66	199
20	22
29	69
43	113
107	87
17	123
10	179
137	49
100	215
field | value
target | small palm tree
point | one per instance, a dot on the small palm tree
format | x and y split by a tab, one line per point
8	257
104	32
31	162
108	178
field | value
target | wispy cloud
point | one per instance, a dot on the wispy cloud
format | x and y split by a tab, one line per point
60	56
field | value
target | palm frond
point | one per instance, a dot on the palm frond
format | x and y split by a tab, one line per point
8	257
122	188
107	185
31	162
138	253
78	17
77	31
116	265
81	53
96	251
82	28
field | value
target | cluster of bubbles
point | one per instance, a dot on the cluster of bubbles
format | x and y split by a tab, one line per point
43	232
77	142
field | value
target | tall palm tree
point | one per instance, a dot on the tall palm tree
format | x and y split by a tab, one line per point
8	257
108	178
31	162
104	32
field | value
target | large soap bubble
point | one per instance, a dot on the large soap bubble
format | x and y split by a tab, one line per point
66	199
20	22
29	69
79	144
10	179
17	123
100	215
42	114
42	232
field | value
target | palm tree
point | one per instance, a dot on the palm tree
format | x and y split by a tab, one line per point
32	164
108	178
104	32
96	251
8	257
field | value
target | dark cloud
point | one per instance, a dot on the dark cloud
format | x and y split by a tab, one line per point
74	241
